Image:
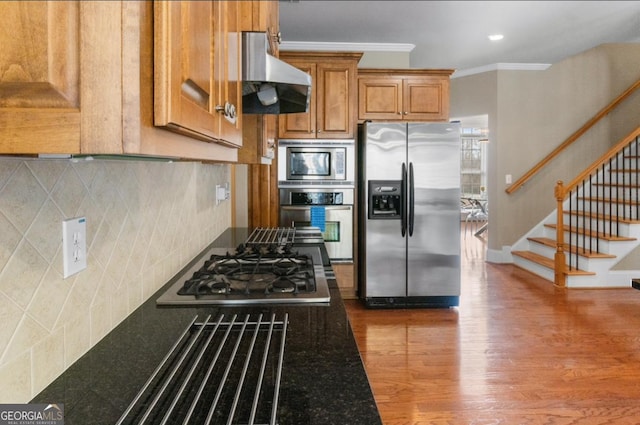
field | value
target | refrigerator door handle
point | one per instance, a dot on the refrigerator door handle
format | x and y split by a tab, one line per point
412	198
403	193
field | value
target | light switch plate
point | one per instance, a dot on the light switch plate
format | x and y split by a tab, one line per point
74	245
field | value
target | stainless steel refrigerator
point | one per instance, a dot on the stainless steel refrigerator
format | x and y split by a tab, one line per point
409	224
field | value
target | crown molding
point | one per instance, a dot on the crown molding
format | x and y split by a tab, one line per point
315	46
501	67
321	46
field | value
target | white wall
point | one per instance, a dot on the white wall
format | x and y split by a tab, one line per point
384	60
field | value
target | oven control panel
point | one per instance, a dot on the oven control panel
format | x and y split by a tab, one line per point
317	198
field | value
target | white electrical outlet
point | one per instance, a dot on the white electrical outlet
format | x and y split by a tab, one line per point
222	193
508	179
74	245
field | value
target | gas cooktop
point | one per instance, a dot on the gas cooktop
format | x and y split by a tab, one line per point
269	268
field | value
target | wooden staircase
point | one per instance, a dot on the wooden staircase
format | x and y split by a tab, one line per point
598	224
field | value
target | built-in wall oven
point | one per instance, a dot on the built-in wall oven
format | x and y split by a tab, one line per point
329	209
316	179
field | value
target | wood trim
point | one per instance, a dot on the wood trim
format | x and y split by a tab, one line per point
318	56
575	136
401	72
604	158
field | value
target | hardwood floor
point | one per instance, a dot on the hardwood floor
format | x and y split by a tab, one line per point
516	351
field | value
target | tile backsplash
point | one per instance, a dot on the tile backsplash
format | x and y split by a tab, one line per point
145	220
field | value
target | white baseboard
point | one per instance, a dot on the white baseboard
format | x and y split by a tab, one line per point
500	256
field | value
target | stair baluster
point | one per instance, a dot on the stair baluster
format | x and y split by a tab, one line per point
592	215
599	196
637	201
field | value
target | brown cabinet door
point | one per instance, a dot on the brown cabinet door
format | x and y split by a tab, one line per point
228	67
407	94
40	78
380	98
302	125
333	98
426	99
184	90
336	87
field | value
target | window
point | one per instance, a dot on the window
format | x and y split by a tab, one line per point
473	165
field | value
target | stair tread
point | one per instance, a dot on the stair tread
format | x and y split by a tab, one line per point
552	243
604	217
610	200
600	235
549	263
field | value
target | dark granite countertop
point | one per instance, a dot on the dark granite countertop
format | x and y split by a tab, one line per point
323	380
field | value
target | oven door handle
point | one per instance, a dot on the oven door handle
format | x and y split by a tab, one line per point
302	208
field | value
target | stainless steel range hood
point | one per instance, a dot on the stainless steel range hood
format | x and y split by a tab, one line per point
269	85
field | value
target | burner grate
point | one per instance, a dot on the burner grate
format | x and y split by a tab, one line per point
250	274
271	237
218	372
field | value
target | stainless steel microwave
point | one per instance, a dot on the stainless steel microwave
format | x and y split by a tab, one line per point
328	162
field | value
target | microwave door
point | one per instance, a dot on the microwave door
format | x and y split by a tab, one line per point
309	164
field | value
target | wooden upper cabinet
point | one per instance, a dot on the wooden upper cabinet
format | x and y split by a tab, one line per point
407	95
78	78
197	69
332	111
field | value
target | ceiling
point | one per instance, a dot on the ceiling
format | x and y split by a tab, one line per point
454	34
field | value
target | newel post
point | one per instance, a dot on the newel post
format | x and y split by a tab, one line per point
560	262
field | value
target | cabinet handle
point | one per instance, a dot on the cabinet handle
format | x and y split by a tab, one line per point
277	37
228	111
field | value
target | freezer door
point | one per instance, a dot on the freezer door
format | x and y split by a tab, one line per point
433	259
385	246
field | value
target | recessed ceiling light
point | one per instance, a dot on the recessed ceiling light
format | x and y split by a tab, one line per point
496	37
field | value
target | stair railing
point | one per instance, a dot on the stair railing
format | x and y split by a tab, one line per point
571	139
595	213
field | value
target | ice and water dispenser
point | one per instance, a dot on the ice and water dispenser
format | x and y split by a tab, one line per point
385	199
